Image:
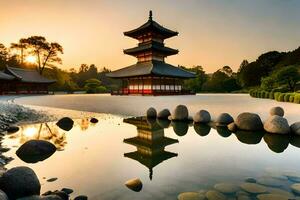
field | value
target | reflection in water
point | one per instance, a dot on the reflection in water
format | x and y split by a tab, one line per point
223	131
150	143
249	137
180	127
277	143
202	129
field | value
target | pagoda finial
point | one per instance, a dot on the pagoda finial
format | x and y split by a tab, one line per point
150	15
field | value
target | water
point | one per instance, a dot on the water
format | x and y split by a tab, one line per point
97	159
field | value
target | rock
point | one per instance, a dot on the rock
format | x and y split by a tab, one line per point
295	128
65	123
253	188
249	122
81	197
277	142
180	127
151	113
202	116
226	188
215	195
268	181
67	190
277	111
280	191
202	129
163	114
272	197
224	119
180	113
277	124
296	188
12	129
94	120
51	179
3	196
243	197
20	182
35	150
232	127
190	196
134	184
250	180
61	194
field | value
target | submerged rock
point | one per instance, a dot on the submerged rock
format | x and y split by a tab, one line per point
250	180
296	188
134	184
295	128
253	188
12	129
268	181
94	120
227	188
20	182
163	114
180	127
249	122
224	119
67	190
277	124
191	196
272	197
277	111
202	129
51	179
180	113
65	123
151	113
36	197
35	150
215	195
202	116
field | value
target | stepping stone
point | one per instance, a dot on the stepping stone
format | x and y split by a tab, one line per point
191	196
215	195
253	188
272	197
296	188
227	188
267	181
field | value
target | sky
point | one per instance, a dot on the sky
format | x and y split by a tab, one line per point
212	33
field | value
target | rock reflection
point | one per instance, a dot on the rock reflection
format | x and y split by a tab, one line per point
150	143
249	137
202	129
276	142
295	140
180	127
223	131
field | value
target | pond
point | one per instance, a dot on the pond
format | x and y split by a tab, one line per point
169	158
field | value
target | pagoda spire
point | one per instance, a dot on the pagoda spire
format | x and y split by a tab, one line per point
150	15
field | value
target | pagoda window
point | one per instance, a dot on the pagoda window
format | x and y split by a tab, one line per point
171	87
167	87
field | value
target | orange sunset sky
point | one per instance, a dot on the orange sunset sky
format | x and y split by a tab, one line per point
212	33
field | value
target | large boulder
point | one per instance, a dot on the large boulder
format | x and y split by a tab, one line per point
35	150
249	122
202	116
65	123
151	113
277	111
163	114
180	113
295	128
224	119
20	182
277	124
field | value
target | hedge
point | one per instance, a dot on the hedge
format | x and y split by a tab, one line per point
278	96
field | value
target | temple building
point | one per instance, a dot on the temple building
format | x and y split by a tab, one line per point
23	81
151	75
150	143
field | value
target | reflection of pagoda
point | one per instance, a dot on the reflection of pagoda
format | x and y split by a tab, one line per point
150	143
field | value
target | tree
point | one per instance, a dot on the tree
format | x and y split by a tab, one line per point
94	86
288	75
3	56
195	84
268	83
20	46
227	70
45	52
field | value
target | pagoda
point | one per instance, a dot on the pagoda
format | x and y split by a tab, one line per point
150	143
151	75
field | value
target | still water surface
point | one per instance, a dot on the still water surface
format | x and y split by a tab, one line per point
97	159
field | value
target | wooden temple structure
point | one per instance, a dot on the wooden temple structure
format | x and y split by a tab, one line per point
23	81
151	75
150	143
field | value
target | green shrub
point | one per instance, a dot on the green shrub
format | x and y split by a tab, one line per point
297	98
281	97
276	95
266	96
271	95
286	97
291	99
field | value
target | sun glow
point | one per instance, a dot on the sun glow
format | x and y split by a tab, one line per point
30	132
31	59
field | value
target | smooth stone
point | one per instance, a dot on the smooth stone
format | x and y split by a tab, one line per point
61	194
81	197
151	113
215	195
191	196
249	122
163	114
224	118
272	197
94	120
12	129
232	127
134	184
202	116
51	179
296	188
20	182
180	113
243	197
295	128
280	191
34	151
292	176
227	188
277	111
250	180
253	188
65	123
67	190
267	181
277	124
3	196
